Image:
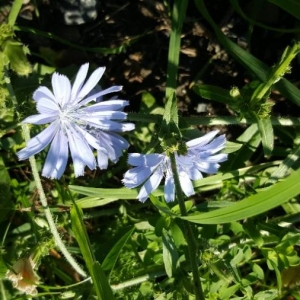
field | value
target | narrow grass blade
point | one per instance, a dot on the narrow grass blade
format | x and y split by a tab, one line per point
111	258
254	205
100	281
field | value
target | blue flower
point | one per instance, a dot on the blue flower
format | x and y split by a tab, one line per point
77	126
149	169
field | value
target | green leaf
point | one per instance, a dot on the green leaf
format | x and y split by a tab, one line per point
162	206
231	147
254	205
111	258
253	232
100	282
291	6
267	135
170	255
214	93
267	295
120	193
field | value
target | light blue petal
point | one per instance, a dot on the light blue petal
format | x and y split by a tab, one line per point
186	161
91	83
108	125
107	105
57	157
150	185
40	119
127	127
81	152
47	106
43	93
112	89
169	189
209	168
105	115
186	184
214	158
92	140
153	159
203	140
136	176
78	83
114	144
215	146
102	158
61	88
194	174
39	142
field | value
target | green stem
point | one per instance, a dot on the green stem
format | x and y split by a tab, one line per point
192	245
58	241
277	73
14	12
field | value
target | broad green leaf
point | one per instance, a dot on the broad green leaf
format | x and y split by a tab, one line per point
111	258
89	202
100	282
266	134
291	6
253	232
253	64
214	93
267	295
121	193
170	254
254	205
231	147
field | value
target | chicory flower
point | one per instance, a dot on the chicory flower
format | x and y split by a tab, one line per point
77	126
149	169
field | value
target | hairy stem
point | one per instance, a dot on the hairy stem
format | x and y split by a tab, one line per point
58	241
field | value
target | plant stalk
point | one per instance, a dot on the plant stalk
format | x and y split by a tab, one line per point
277	73
58	241
192	245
